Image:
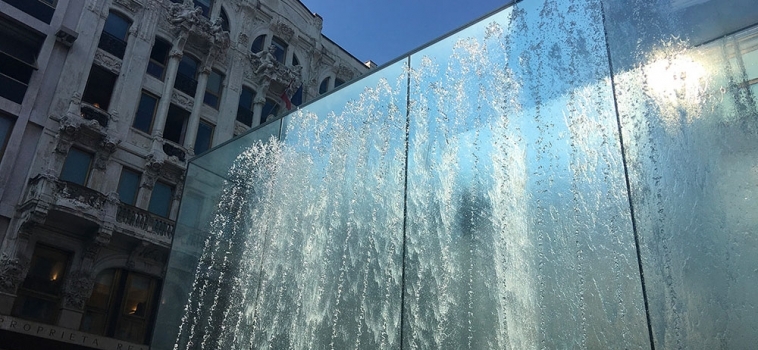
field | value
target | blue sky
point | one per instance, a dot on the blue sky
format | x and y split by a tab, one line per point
382	30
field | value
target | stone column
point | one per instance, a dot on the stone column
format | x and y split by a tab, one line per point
194	121
168	88
260	100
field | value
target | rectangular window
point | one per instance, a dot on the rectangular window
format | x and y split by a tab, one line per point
19	46
6	127
213	89
114	35
158	58
40	293
280	49
143	119
128	186
245	109
160	199
176	123
185	76
99	87
40	9
204	137
77	166
121	306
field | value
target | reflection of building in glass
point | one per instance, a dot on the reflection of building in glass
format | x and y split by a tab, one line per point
102	103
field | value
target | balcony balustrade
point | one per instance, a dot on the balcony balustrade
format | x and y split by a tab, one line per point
146	223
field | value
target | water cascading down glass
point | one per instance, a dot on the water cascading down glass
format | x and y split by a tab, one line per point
560	174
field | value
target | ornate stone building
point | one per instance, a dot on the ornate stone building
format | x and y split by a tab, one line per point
102	102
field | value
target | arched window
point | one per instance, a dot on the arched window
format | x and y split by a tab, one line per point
280	49
185	75
225	20
114	35
258	44
324	87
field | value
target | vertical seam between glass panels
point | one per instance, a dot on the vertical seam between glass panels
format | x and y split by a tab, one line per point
405	197
626	178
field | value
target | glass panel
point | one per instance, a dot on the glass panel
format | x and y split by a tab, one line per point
176	122
77	166
128	185
117	26
99	87
258	44
690	126
160	199
158	58
143	119
137	295
213	89
46	271
280	49
201	196
204	137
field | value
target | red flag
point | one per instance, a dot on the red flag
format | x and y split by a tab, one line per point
286	99
285	96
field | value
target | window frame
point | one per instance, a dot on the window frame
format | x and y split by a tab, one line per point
88	172
159	64
27	292
210	94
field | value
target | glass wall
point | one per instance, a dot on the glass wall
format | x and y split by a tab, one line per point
559	174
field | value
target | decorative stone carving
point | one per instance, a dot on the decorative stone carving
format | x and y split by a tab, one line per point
191	24
11	274
345	72
131	5
107	61
242	39
283	31
267	68
182	101
78	289
107	146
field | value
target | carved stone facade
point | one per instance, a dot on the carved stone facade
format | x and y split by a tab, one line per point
76	204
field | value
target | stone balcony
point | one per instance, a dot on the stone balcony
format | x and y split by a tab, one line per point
49	198
144	224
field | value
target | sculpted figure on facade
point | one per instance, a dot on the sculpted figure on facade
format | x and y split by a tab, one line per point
184	13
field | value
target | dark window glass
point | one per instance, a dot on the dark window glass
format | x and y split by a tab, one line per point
18	58
176	122
225	21
280	49
121	306
324	87
143	119
295	61
43	10
205	5
185	77
99	87
297	98
128	186
160	199
213	89
258	44
114	35
204	137
158	58
245	109
39	295
6	127
270	110
76	167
